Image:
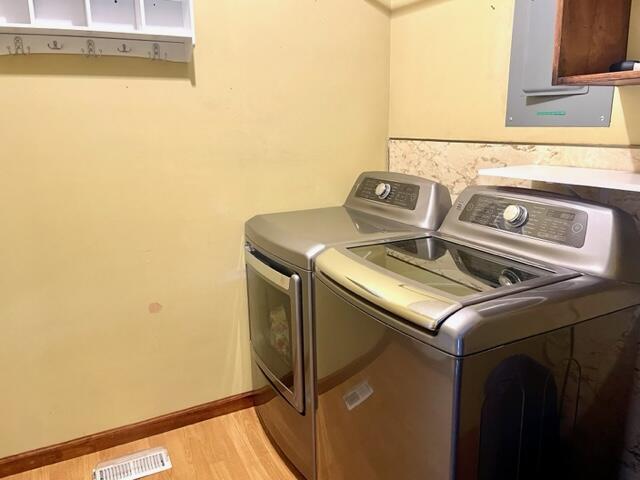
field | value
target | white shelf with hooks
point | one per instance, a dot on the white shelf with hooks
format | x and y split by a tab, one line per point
155	29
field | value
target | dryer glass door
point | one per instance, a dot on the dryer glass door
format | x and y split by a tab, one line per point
275	326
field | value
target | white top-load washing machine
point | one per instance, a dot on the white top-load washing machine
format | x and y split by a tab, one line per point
504	346
280	256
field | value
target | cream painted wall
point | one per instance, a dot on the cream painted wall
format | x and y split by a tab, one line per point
125	183
450	70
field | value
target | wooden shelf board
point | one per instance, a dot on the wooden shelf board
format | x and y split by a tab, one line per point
607	78
587	177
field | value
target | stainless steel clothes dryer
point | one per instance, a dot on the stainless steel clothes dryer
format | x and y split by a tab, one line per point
280	255
501	347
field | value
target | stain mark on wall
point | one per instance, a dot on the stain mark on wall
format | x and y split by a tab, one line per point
155	307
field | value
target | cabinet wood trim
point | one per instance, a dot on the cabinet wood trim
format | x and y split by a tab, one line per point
590	35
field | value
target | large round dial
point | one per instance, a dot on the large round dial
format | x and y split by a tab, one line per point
515	215
383	190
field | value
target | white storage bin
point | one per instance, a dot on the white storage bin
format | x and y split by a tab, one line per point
170	14
58	13
14	11
119	14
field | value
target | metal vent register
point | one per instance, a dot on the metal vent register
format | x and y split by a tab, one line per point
134	466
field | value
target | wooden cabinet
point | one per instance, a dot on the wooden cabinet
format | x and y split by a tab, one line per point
591	35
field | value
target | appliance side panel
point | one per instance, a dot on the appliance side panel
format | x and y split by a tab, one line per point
606	439
559	405
385	403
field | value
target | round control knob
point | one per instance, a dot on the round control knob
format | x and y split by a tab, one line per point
515	215
383	190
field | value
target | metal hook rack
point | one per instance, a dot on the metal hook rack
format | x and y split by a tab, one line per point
92	47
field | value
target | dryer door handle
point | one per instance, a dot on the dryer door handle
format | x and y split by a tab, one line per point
273	276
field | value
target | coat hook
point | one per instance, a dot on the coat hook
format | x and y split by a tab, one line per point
156	52
91	49
18	47
124	49
55	45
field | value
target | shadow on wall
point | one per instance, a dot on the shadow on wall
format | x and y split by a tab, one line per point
383	5
77	65
402	6
630	100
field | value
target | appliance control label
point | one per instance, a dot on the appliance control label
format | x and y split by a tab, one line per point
403	195
544	222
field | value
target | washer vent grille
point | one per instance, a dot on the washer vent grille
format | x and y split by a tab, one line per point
134	466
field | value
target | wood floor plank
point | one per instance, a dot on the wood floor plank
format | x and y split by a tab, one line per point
231	447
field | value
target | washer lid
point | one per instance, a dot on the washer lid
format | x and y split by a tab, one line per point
297	237
425	280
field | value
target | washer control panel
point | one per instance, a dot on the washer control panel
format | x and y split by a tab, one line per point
403	195
532	219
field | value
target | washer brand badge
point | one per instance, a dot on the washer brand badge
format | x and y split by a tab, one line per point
357	395
556	113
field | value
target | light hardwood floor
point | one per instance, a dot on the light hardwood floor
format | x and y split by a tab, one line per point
230	447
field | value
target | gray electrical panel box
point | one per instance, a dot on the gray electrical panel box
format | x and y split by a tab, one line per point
532	100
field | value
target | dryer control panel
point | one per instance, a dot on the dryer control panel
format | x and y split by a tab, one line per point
407	199
551	223
403	195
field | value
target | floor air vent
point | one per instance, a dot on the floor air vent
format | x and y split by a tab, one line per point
134	466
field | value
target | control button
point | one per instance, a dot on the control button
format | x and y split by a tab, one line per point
383	190
515	215
577	228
